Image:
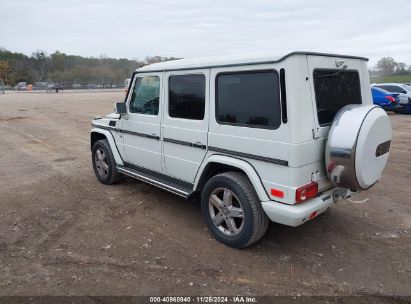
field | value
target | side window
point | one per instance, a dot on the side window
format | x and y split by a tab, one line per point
250	99
397	89
146	95
391	88
382	87
186	96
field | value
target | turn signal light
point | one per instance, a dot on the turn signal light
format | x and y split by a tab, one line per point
305	192
277	193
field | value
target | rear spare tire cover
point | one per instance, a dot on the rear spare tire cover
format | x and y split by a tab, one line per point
358	146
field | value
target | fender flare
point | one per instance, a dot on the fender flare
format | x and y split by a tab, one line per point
237	163
112	143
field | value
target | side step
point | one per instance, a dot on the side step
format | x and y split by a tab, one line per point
163	182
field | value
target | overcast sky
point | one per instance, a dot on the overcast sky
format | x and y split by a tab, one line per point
190	28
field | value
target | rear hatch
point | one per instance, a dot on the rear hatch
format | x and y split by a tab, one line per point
335	82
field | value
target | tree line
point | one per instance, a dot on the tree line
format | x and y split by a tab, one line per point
62	68
387	66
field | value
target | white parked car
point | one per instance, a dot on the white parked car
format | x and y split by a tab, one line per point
402	89
259	139
21	86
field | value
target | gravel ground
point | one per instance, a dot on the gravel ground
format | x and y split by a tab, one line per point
64	233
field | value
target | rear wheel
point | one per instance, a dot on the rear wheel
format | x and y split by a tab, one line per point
232	211
104	164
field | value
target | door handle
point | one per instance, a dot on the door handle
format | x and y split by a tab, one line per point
155	136
198	145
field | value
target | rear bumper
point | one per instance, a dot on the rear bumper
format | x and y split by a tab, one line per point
391	107
295	215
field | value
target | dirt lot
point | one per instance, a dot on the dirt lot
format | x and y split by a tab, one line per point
64	233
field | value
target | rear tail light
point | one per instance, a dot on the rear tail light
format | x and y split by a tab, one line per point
305	192
390	98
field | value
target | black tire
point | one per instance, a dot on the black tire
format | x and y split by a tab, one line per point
254	220
112	175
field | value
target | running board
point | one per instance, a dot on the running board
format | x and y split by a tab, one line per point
158	181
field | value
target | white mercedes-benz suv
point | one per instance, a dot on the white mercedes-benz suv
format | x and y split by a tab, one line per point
258	139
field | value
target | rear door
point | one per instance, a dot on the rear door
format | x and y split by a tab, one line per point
185	122
336	82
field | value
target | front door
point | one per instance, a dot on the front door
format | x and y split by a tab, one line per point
141	126
185	122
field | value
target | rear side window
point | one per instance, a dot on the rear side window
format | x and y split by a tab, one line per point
250	99
186	97
145	96
335	89
391	88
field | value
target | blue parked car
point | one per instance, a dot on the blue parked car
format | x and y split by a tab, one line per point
386	100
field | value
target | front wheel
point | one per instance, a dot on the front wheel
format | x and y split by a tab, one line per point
104	164
232	210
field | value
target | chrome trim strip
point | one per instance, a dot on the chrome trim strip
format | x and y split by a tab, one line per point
153	182
157	174
252	156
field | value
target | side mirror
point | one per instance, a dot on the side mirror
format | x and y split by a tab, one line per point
120	108
404	92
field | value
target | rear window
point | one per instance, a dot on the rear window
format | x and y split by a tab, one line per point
187	96
335	89
379	90
249	99
391	88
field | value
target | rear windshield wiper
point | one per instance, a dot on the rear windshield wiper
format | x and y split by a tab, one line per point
335	73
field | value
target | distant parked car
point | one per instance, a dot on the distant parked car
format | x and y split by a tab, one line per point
41	85
91	86
403	90
386	100
77	86
21	86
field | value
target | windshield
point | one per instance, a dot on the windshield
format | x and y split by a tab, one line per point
335	89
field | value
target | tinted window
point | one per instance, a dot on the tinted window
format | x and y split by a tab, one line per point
335	89
392	88
379	91
145	97
186	96
249	99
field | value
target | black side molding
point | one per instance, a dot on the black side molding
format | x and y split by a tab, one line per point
139	134
194	145
104	127
126	132
252	156
184	143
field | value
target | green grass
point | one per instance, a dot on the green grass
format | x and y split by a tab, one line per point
394	78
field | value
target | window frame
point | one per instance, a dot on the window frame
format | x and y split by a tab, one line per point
331	70
131	90
205	96
275	127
